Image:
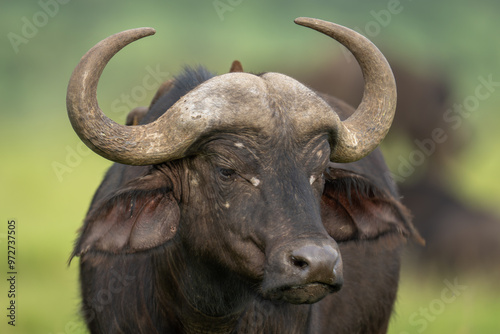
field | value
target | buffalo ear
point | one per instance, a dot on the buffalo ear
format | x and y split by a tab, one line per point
355	209
131	220
236	67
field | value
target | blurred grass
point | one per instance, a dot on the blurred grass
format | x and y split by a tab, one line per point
421	309
460	36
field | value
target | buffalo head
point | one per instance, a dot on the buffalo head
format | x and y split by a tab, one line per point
234	174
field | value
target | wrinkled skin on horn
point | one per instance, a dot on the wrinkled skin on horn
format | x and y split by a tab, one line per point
218	104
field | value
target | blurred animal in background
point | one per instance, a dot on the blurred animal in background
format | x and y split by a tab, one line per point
241	203
458	237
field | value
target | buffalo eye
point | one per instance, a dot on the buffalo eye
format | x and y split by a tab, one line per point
226	173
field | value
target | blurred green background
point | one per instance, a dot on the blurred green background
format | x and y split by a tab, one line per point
47	177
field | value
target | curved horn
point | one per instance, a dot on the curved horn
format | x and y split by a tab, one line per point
205	108
363	131
105	137
165	139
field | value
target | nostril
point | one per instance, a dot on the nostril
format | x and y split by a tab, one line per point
299	262
315	262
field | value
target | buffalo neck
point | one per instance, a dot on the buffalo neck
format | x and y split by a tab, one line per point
208	299
195	322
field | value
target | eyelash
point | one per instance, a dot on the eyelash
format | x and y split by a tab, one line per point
226	173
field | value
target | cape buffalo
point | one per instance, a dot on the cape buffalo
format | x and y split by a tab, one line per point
240	203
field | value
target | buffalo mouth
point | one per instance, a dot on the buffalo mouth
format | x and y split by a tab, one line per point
302	294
